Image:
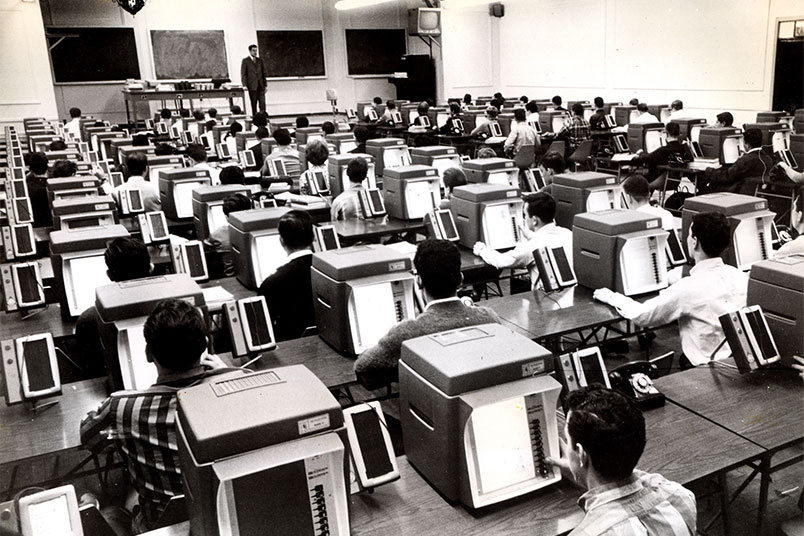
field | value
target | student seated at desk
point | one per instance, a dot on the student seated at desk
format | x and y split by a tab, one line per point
36	180
377	105
57	145
328	127
754	163
421	109
261	133
557	104
637	195
523	100
137	166
73	126
197	156
467	102
598	120
576	130
540	210
603	439
361	137
166	116
677	110
142	424
486	152
213	119
232	175
289	291
260	120
198	115
282	151
643	115
63	168
797	223
438	274
183	119
453	176
126	259
552	164
724	119
483	129
385	118
451	126
347	205
317	153
711	290
532	110
521	134
302	122
673	152
219	238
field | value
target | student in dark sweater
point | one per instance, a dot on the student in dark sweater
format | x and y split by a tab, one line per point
438	267
662	155
289	291
752	164
361	137
37	190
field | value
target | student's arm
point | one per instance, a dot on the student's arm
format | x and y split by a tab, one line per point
516	258
658	311
377	366
510	140
796	176
95	426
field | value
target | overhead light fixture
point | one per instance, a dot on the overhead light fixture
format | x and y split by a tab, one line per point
353	4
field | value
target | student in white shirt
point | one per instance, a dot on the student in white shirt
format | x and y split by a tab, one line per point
696	302
540	210
521	134
644	115
677	110
197	156
137	166
533	112
637	195
74	125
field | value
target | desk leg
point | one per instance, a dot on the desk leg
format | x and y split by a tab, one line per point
128	118
724	502
765	472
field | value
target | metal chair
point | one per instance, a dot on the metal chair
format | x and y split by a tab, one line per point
526	156
582	154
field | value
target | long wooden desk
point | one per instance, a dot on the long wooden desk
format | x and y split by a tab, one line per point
351	231
145	95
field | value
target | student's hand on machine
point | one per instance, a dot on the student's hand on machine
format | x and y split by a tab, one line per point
562	462
212	361
479	246
98	172
798	364
603	294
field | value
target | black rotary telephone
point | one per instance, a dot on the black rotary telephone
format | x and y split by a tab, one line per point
635	380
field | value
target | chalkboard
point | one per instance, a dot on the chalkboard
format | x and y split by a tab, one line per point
93	54
292	53
375	51
187	55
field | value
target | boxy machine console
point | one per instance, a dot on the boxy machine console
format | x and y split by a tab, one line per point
492	170
440	157
778	287
278	468
388	153
123	308
586	191
478	413
337	165
490	213
255	244
176	190
750	222
208	207
410	192
359	293
620	249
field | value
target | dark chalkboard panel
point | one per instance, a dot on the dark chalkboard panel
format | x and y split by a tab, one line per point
93	54
189	54
375	51
292	53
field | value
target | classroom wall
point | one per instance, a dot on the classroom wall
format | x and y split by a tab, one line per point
25	82
239	19
715	55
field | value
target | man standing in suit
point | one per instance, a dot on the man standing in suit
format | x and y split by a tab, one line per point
252	76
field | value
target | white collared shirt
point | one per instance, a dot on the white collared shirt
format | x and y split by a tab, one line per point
214	173
711	290
150	195
442	300
647	117
665	215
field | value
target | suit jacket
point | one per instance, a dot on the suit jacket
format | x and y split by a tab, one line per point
660	157
252	74
289	294
731	178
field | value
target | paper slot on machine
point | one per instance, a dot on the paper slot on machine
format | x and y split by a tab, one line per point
188	258
249	324
441	225
555	268
153	227
18	241
370	447
581	368
750	339
22	286
326	238
371	203
30	370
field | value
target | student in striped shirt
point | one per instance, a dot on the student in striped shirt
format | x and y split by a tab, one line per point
142	424
604	436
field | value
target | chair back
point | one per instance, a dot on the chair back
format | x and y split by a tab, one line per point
525	157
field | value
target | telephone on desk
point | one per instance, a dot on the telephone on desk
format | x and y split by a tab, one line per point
634	380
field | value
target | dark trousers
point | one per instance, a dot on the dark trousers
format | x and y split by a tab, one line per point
257	96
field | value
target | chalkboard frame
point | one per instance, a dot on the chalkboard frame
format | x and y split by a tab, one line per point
157	76
128	48
261	34
374	74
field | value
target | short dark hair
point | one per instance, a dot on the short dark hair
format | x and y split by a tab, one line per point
236	203
38	163
57	145
137	163
377	100
282	136
520	114
361	134
127	258
524	99
235	109
262	133
642	107
357	170
492	111
175	334
497	103
712	231
235	127
64	168
498	96
328	127
577	109
557	100
75	112
467	98
198	115
166	113
302	122
184	112
454	108
542	205
260	119
140	140
672	129
296	229
599	102
633	102
554	161
486	152
423	107
164	149
454	176
609	426
532	106
316	152
232	175
438	263
251	46
726	118
753	137
637	186
197	152
390	104
677	105
212	112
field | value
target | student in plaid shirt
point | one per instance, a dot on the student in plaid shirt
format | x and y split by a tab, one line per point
604	436
576	129
141	424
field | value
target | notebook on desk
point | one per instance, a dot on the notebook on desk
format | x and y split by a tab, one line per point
495	139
